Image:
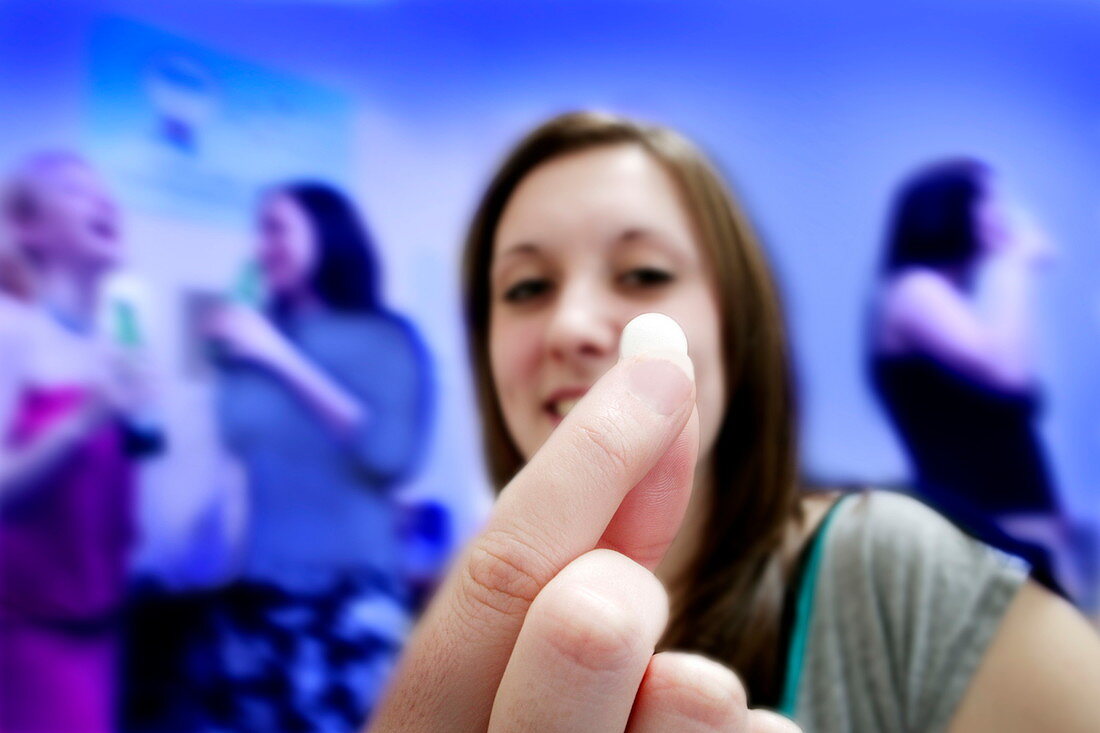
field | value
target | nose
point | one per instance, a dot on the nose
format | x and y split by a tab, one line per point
107	208
584	326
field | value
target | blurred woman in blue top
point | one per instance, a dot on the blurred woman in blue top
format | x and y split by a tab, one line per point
324	400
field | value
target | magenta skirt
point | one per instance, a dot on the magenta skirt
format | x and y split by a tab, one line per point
54	681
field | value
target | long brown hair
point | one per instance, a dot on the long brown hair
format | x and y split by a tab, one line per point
731	604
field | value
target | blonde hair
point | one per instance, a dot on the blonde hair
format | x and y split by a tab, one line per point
18	203
731	605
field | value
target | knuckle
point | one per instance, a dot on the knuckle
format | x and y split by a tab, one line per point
590	632
602	437
500	574
647	552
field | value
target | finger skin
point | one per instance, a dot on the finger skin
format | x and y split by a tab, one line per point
556	509
649	517
612	440
583	649
765	721
689	694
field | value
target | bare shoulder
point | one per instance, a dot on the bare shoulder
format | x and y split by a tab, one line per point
16	319
1041	672
916	287
907	299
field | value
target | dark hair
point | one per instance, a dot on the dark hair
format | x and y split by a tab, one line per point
732	598
346	275
933	220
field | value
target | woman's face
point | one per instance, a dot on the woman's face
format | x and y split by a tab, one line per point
992	218
587	242
72	219
288	244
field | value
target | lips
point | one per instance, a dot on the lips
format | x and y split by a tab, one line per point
562	401
562	407
104	228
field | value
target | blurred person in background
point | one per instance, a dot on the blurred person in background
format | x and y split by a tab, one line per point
15	280
66	464
324	401
651	500
955	372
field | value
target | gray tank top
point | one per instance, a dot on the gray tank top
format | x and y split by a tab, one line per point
899	608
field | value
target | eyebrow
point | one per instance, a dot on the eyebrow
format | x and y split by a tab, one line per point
653	237
502	263
633	233
627	236
518	249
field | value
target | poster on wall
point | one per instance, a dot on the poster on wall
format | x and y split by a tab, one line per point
187	131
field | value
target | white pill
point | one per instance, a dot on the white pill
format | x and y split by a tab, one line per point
652	332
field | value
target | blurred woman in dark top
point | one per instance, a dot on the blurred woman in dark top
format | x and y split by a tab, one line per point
956	374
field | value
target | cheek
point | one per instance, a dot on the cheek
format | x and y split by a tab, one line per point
515	358
704	332
61	230
712	403
272	262
992	226
285	263
300	260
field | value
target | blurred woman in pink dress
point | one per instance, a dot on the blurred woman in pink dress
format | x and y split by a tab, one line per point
66	504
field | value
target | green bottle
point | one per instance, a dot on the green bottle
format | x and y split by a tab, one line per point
127	331
249	286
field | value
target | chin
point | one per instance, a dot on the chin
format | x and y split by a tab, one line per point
281	283
530	443
105	258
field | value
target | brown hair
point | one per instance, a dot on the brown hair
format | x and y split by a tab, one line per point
731	604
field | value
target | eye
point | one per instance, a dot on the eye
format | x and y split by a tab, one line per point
526	290
645	277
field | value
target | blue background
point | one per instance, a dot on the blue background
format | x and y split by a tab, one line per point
815	113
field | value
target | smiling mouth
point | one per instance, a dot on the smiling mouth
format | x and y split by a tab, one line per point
104	229
561	408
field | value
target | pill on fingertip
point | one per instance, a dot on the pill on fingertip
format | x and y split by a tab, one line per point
652	332
655	349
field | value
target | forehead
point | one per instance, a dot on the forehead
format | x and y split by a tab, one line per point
280	201
62	176
286	207
594	194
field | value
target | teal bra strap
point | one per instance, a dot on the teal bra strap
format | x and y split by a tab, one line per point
803	612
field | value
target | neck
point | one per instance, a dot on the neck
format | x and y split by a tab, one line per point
684	548
291	304
72	296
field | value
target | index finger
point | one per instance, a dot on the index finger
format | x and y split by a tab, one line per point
553	511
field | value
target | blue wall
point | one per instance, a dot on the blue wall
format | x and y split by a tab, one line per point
814	112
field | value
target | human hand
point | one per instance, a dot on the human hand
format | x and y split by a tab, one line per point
549	618
1029	242
244	333
125	383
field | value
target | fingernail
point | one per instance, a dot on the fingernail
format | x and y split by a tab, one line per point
658	374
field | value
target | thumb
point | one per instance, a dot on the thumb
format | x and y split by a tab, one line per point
649	517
